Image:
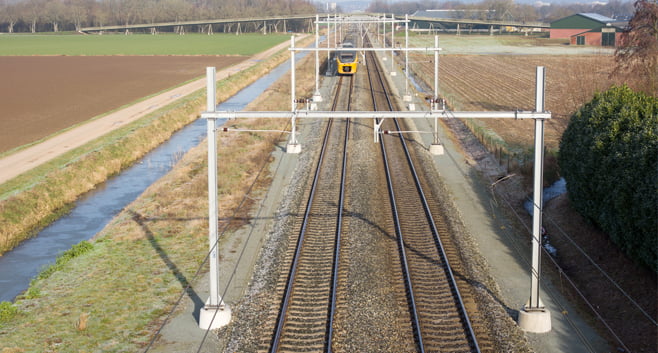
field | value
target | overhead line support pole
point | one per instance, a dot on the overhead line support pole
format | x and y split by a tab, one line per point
436	148
293	146
317	97
215	313
392	45
328	36
535	317
336	29
406	58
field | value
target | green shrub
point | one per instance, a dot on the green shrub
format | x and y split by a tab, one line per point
33	292
7	312
75	251
608	156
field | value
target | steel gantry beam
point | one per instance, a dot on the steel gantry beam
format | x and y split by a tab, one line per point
317	114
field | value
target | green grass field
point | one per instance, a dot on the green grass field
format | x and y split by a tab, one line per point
138	44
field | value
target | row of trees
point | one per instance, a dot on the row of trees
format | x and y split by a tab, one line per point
508	9
57	15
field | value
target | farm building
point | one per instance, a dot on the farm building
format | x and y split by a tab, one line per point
588	29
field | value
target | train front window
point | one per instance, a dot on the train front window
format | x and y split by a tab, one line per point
347	57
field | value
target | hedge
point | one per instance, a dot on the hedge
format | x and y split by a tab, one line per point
608	156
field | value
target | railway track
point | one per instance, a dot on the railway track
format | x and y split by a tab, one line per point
305	320
439	318
428	313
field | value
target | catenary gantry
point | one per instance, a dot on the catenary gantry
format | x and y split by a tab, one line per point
534	317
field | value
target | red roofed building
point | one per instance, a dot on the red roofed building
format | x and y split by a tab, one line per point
588	29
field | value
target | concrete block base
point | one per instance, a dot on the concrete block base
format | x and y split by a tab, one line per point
412	107
537	321
211	318
394	73
293	148
406	98
317	97
437	149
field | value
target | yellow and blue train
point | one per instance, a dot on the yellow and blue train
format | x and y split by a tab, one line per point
346	60
343	61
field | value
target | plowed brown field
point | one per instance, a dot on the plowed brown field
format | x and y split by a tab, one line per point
507	82
40	95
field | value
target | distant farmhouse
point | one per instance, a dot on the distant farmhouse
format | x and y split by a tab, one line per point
588	29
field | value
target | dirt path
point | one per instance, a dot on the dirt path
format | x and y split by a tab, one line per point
26	159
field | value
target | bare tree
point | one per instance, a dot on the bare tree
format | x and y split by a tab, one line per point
32	11
8	15
523	13
498	9
79	12
152	11
123	12
614	8
75	13
637	54
54	13
378	6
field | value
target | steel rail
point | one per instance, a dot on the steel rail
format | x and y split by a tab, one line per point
430	220
276	340
439	243
341	202
398	230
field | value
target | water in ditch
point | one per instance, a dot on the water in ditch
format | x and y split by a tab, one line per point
96	208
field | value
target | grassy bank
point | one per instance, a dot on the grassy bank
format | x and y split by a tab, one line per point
139	44
114	295
35	199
